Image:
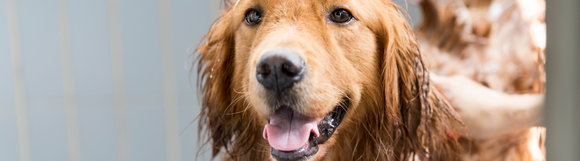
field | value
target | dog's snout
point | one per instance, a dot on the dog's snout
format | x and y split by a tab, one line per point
279	69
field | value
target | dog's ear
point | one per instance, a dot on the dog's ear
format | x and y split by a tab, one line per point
214	75
421	117
222	124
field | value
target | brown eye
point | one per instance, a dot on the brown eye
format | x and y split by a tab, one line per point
340	16
253	17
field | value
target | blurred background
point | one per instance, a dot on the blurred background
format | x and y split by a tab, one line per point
107	80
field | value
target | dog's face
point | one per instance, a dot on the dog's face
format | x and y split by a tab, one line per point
302	65
303	76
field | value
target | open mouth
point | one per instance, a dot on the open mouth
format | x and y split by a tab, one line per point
294	136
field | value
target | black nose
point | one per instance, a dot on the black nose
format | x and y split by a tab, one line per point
279	69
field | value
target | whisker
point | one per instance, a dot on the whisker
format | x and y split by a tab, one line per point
243	111
341	91
233	103
242	87
238	97
342	105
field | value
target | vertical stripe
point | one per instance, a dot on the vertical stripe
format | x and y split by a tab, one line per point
169	89
562	105
214	8
120	96
70	105
19	91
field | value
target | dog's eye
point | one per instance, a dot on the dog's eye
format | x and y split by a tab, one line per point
340	16
253	17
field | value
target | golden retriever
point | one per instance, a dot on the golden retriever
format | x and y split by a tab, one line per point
319	80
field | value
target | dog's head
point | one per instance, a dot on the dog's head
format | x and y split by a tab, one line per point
297	78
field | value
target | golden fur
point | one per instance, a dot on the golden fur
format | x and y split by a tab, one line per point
500	50
375	62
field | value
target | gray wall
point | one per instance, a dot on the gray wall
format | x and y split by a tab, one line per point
562	108
100	80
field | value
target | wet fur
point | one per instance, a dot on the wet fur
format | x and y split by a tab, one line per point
394	115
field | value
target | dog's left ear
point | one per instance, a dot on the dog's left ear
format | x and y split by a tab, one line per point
422	118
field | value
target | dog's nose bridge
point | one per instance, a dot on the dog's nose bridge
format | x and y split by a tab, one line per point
288	34
279	69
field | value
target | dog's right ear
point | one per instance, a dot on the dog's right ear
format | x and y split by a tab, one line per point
224	123
214	71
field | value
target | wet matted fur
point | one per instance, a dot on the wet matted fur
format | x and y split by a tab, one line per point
374	62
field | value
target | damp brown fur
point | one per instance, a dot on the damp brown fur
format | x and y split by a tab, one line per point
374	61
500	49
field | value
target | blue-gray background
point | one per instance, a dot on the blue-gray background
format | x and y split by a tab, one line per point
101	80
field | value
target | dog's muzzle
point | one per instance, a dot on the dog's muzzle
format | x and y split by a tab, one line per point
279	69
295	137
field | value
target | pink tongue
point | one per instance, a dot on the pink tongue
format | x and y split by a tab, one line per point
289	130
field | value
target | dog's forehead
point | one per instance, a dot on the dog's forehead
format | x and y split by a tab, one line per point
301	1
299	9
293	5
